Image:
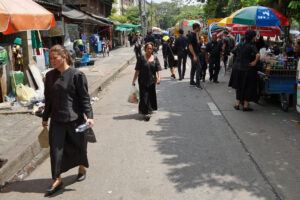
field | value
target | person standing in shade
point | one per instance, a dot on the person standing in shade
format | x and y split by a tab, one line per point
203	61
246	80
148	71
214	48
67	103
194	49
227	46
181	49
172	57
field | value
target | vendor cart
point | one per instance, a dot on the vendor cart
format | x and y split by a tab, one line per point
279	77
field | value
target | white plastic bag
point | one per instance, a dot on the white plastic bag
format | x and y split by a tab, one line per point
134	95
222	69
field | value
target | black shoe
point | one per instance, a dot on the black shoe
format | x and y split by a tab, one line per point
2	162
210	79
203	80
247	109
147	117
51	190
216	82
81	176
198	86
192	83
237	107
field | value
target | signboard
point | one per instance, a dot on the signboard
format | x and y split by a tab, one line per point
58	30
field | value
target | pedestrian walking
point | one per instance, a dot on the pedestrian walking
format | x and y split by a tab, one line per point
181	46
172	57
138	46
203	61
194	49
214	48
165	44
67	103
148	71
246	76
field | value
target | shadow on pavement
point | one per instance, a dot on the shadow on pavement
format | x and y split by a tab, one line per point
201	149
39	186
135	116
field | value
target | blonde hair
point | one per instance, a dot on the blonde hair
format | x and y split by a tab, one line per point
62	51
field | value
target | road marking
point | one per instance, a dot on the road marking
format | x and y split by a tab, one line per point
213	108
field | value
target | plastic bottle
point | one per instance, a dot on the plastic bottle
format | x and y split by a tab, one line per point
82	128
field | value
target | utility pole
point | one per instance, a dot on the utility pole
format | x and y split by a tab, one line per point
122	7
151	14
141	17
145	16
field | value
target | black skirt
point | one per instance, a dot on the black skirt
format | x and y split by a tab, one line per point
247	89
172	63
68	149
234	82
148	101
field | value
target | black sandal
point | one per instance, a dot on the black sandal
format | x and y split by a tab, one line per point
147	117
247	109
237	107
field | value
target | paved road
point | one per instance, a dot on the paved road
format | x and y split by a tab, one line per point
195	147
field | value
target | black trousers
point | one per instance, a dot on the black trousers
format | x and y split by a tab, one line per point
166	62
68	149
214	68
148	101
181	58
196	69
203	71
138	52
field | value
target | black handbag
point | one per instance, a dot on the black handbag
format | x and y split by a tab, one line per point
90	135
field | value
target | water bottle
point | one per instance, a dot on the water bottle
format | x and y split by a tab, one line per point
82	128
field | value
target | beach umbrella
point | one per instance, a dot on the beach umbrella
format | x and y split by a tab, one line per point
191	22
128	26
256	16
16	15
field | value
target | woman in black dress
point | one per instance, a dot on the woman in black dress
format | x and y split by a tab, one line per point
172	57
148	72
67	103
245	80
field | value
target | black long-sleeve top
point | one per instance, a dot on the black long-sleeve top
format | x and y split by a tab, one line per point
66	96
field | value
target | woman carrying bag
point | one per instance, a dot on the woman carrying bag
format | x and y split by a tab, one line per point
67	103
148	71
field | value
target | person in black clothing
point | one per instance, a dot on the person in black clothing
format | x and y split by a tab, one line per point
181	49
138	46
172	57
226	47
194	49
148	71
149	38
245	79
203	61
275	50
165	44
214	48
67	103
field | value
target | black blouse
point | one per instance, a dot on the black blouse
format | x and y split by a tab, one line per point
66	96
248	53
147	75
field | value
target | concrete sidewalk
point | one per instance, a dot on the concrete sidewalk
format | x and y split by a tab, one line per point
19	133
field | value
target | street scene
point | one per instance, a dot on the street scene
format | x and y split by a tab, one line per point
125	102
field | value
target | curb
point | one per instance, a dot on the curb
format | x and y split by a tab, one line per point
31	156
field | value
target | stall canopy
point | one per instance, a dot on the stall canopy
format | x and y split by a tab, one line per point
16	15
80	16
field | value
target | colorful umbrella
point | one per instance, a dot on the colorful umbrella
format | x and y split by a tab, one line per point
24	15
191	22
271	31
256	16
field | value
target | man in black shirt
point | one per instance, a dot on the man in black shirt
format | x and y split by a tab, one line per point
194	50
181	49
149	38
214	48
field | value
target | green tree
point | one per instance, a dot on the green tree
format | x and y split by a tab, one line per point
133	15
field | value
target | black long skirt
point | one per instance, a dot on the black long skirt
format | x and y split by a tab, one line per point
148	101
68	149
234	81
247	85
